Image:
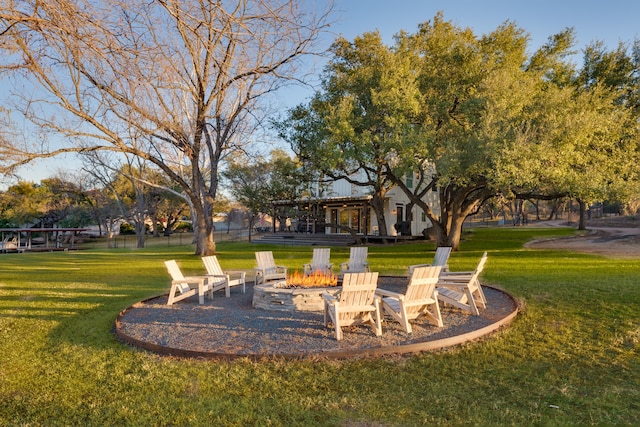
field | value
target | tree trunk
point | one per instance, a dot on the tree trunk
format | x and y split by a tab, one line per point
449	234
377	204
203	231
581	219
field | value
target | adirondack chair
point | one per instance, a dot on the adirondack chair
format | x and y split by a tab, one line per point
440	259
219	279
9	244
356	304
319	261
357	261
462	289
420	299
183	287
267	269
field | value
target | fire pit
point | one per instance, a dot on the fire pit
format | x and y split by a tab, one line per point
298	292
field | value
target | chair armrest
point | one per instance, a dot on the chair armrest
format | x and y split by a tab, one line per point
329	298
235	272
456	285
457	273
411	267
222	276
385	293
460	279
194	278
344	264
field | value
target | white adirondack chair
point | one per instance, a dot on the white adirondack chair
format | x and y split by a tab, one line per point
183	287
357	261
440	259
462	289
420	299
319	261
220	279
356	304
267	270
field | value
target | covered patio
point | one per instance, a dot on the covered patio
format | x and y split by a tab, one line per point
40	239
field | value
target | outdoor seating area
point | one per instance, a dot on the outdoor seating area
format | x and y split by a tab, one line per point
366	315
357	301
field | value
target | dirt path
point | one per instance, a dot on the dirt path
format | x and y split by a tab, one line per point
618	239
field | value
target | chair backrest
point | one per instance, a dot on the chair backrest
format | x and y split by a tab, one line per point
422	283
176	274
358	289
265	259
442	256
480	267
174	270
320	258
358	257
212	265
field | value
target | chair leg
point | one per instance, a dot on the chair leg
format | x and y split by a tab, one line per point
172	295
405	318
437	314
378	318
326	314
471	302
336	324
201	292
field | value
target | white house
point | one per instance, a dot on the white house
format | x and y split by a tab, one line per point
345	204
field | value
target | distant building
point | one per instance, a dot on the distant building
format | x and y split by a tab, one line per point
348	205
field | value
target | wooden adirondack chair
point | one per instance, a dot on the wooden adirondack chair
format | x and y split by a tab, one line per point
183	287
357	261
267	269
319	261
219	279
440	259
462	289
420	299
356	304
11	244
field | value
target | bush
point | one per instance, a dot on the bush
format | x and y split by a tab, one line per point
126	228
183	227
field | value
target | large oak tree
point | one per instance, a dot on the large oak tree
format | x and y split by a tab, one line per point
472	116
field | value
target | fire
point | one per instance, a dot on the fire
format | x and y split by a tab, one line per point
317	279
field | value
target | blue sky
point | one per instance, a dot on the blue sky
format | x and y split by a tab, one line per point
610	21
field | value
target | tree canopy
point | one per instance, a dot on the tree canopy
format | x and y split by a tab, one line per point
176	83
474	116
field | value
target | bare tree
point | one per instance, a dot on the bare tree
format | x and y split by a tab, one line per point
189	75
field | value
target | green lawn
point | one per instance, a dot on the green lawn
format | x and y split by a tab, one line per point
571	358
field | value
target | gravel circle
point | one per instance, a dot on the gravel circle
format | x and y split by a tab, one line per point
231	327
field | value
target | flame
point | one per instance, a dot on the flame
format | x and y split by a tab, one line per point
317	279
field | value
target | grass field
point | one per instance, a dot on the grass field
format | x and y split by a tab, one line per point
571	358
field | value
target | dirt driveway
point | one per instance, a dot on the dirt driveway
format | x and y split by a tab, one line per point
618	238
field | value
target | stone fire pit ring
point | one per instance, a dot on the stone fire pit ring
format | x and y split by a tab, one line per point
278	296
